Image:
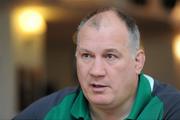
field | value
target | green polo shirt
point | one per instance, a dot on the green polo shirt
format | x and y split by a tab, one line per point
74	106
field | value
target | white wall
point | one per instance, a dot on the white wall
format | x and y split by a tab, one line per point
7	69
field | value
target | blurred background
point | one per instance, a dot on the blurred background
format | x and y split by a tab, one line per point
37	52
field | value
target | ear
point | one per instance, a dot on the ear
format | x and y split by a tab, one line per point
139	61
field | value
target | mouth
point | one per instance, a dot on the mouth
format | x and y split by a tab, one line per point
98	85
98	88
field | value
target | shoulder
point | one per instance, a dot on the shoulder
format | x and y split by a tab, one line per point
170	98
40	108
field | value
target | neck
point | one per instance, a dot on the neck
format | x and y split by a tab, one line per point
111	113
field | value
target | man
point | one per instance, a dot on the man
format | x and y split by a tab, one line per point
112	86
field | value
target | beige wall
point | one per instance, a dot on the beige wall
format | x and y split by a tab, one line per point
7	69
157	38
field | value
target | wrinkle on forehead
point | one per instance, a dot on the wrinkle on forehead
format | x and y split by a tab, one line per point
106	24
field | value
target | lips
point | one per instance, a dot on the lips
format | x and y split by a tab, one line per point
98	85
98	88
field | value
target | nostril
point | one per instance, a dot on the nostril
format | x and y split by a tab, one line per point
97	71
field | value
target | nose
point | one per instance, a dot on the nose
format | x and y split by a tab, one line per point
97	69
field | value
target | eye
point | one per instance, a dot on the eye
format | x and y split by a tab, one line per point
111	57
86	56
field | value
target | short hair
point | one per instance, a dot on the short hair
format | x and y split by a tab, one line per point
134	35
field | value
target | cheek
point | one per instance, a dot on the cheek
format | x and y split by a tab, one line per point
122	67
82	72
123	73
124	80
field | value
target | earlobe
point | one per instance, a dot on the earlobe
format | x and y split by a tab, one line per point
139	61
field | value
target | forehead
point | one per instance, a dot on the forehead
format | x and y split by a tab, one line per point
104	19
104	29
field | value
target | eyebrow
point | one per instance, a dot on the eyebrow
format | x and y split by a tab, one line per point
112	50
106	50
84	50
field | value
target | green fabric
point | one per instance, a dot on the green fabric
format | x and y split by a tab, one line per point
153	110
72	107
80	108
61	111
145	107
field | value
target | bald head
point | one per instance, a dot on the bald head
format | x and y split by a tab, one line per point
102	18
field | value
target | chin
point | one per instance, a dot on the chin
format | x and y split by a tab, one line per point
100	100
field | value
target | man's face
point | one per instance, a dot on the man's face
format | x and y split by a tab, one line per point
105	66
